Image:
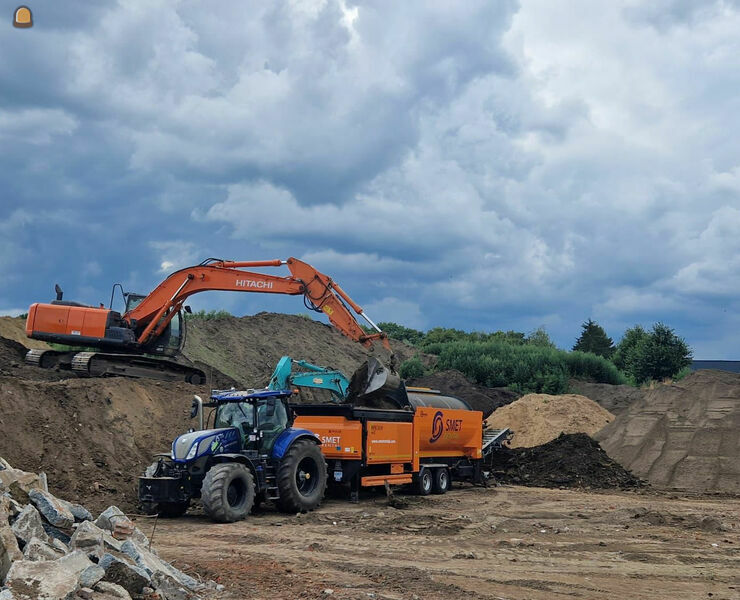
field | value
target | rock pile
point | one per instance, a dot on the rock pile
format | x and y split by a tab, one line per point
51	549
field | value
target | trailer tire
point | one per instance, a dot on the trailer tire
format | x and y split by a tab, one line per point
424	482
441	481
227	492
302	477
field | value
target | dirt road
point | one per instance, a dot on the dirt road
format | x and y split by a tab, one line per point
508	542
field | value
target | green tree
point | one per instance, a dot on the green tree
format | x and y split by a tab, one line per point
657	354
594	339
540	337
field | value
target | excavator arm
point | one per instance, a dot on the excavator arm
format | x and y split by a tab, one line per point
152	315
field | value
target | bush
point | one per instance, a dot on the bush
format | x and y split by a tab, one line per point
526	368
412	368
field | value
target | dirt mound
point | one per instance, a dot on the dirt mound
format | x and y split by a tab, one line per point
614	398
571	460
12	363
538	418
454	383
683	435
93	437
248	348
14	328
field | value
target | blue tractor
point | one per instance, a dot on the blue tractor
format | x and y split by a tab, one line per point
251	454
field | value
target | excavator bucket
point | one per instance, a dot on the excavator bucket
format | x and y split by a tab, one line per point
373	383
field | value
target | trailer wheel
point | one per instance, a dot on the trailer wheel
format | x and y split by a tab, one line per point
302	477
227	492
424	482
441	481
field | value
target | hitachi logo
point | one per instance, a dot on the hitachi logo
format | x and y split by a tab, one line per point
250	283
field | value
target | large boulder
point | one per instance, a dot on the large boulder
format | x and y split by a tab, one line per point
48	580
153	564
9	550
52	508
93	540
131	578
79	512
9	506
112	590
91	576
37	550
28	525
20	484
169	588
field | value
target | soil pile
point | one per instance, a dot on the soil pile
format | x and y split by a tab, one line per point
538	418
14	328
571	460
93	437
683	435
454	383
248	348
614	398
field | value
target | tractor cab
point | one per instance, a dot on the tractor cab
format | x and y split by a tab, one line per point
259	416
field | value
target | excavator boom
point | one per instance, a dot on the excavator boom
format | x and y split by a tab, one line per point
142	329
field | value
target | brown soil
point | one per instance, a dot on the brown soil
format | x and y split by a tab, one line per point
92	437
248	348
683	435
573	460
518	543
538	418
14	328
454	383
614	398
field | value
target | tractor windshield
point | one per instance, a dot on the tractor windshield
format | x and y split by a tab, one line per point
236	414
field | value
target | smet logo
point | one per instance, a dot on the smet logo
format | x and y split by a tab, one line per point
440	425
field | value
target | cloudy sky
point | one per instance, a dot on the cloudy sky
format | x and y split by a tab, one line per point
480	165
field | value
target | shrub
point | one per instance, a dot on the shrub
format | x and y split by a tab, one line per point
526	368
412	368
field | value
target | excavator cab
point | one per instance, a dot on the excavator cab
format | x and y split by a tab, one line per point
173	337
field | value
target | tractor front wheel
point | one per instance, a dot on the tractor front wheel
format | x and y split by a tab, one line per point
302	477
227	492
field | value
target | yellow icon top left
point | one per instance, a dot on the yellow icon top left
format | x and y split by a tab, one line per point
22	17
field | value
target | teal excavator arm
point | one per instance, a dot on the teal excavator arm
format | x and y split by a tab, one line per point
311	376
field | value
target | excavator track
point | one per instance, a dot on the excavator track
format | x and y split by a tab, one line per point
98	364
49	359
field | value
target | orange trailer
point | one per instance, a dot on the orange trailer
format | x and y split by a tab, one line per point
430	442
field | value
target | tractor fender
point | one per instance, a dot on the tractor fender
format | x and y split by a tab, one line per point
288	437
233	458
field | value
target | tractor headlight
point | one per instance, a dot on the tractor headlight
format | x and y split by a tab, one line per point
192	452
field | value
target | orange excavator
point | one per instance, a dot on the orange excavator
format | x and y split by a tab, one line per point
155	324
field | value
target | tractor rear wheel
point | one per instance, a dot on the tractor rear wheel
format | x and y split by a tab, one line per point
302	477
227	492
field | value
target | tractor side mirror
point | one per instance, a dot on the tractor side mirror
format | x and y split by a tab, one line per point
196	409
188	309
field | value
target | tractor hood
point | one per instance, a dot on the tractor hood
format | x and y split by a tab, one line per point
193	445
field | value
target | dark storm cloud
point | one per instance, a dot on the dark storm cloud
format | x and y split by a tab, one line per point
478	164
